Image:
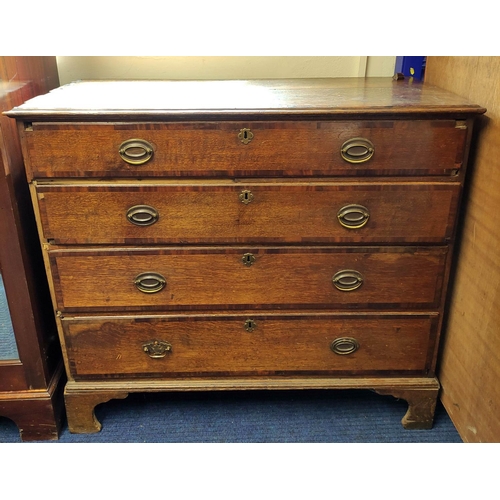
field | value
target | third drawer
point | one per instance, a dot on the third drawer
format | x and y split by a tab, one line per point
106	279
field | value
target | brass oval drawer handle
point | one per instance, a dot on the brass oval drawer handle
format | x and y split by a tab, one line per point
142	215
357	150
136	151
344	345
353	216
157	349
150	282
245	135
347	280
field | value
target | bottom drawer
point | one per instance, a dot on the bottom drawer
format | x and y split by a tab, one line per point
246	345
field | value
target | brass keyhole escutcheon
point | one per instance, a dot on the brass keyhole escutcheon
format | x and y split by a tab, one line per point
246	196
250	325
248	259
245	135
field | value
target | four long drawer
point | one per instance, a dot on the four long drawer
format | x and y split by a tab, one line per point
93	275
169	346
253	212
164	278
214	149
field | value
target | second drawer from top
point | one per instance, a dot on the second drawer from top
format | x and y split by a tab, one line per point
228	212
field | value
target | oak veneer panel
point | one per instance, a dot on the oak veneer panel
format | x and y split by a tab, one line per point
470	364
402	147
220	345
204	277
297	212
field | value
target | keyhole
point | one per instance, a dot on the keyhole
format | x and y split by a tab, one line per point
246	196
245	135
248	259
250	325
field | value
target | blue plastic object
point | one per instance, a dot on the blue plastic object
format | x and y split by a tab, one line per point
411	66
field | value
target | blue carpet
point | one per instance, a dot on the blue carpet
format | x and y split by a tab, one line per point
343	416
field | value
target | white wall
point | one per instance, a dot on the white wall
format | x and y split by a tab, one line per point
73	68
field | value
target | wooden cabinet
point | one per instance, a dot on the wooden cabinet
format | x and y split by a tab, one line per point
247	235
31	369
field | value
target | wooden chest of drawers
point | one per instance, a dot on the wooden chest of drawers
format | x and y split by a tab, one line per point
247	235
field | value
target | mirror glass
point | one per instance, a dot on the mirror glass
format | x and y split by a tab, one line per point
8	346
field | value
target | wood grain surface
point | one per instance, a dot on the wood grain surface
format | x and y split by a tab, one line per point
202	212
219	345
210	277
284	148
132	100
470	363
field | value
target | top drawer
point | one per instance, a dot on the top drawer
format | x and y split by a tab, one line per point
286	148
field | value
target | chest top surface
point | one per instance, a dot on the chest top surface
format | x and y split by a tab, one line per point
258	98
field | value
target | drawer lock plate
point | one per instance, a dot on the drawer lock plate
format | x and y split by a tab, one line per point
246	196
248	259
245	135
250	325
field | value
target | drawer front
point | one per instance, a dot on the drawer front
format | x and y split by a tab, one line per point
248	345
250	212
249	277
287	148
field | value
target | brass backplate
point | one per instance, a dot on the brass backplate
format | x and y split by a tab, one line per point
157	348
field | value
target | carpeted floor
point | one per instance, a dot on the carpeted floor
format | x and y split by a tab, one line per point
342	416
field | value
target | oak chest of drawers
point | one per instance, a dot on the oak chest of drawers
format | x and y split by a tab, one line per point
283	234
